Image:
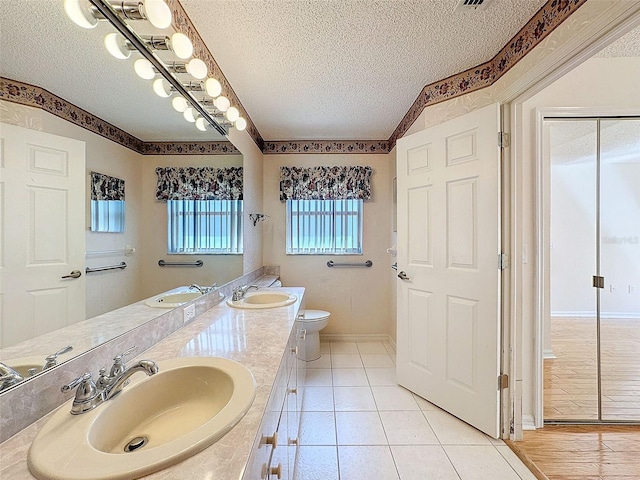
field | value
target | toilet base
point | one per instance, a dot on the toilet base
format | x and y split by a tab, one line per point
312	347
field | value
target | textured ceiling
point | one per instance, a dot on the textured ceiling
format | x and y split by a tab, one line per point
303	69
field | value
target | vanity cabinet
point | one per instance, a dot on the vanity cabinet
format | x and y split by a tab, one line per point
275	449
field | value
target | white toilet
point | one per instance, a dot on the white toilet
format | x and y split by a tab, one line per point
313	321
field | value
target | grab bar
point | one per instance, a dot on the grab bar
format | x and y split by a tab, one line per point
332	264
197	263
120	266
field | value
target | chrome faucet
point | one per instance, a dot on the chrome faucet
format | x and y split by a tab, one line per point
51	361
8	376
202	290
239	292
90	394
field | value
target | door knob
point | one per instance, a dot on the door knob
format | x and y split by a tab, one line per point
73	274
403	276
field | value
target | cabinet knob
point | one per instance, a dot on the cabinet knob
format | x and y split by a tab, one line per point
272	440
293	390
293	441
276	471
294	350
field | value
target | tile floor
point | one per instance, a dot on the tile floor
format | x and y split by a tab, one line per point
357	424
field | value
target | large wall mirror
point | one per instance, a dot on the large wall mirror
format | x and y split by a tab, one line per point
73	64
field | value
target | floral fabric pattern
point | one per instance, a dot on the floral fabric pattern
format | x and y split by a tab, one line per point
104	187
325	183
199	183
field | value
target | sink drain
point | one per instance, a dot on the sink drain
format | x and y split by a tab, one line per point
136	444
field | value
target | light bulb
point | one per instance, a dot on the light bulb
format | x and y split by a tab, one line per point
222	103
117	46
189	115
79	11
144	69
232	114
162	87
213	87
179	104
201	124
197	68
240	124
158	13
181	45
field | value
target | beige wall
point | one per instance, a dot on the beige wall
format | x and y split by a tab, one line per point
358	299
217	268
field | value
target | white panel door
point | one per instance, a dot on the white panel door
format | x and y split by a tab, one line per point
448	341
42	219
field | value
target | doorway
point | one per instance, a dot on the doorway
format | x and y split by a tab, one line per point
592	253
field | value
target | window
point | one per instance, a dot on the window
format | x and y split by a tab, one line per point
205	226
107	216
324	227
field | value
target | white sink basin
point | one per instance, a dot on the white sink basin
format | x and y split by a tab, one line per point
264	299
163	419
172	300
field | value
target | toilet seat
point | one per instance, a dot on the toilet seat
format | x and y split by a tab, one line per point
315	315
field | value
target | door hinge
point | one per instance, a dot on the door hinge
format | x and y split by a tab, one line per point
503	381
598	282
503	261
503	140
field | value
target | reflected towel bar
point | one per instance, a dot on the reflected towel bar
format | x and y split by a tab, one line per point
332	264
197	263
120	266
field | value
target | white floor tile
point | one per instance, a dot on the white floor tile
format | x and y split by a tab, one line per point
350	377
353	399
477	462
318	399
317	463
407	428
515	462
394	398
381	377
422	462
323	362
319	377
423	404
346	360
452	431
344	347
317	428
377	361
364	463
359	428
372	347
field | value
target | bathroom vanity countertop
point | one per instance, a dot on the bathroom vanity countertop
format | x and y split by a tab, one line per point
255	338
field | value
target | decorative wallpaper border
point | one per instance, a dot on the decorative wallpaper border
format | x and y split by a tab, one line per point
326	146
33	96
550	16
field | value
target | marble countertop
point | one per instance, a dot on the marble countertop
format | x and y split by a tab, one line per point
255	338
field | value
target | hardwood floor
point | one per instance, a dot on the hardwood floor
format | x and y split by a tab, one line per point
591	452
570	380
588	452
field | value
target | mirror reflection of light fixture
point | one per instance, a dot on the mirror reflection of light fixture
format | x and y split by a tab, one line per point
117	46
213	87
240	124
189	115
144	69
202	124
197	68
179	104
232	114
222	103
85	15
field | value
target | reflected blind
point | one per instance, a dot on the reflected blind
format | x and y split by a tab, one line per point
316	227
205	226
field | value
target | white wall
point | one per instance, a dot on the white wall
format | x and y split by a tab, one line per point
358	299
217	268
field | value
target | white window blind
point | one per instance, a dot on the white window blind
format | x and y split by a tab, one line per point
317	227
205	226
107	216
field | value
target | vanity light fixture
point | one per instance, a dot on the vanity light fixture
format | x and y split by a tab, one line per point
87	13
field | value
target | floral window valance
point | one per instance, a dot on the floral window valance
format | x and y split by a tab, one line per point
199	183
104	187
325	183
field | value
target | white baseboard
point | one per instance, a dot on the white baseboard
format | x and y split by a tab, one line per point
548	354
392	344
356	337
528	423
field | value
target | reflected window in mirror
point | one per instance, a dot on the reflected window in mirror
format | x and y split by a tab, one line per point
107	203
204	209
